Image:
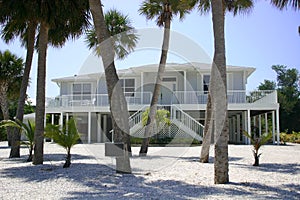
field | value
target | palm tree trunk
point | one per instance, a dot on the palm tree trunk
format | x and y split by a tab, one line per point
154	100
68	159
4	107
16	136
219	95
29	159
38	156
204	157
118	104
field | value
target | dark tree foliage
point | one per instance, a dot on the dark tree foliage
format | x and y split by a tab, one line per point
288	88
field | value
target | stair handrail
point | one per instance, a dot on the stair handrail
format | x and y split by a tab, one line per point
187	120
136	117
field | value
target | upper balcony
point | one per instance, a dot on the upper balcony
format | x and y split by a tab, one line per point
235	97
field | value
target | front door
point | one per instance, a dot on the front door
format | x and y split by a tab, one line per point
169	85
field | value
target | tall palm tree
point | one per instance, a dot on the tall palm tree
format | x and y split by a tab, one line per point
236	7
285	3
162	11
219	94
118	105
13	25
120	29
11	69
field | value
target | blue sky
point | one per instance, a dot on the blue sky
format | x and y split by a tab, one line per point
264	37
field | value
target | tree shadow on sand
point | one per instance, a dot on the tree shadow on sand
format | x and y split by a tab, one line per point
101	182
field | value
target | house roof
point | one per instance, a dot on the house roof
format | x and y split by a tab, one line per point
201	67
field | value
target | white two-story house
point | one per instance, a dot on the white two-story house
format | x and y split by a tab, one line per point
183	92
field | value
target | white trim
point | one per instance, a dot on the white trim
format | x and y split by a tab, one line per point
277	126
249	126
273	126
89	127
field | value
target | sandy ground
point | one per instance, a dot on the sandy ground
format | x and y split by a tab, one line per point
166	173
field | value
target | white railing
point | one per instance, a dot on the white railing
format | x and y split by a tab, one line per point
178	97
233	96
136	117
187	120
262	96
133	98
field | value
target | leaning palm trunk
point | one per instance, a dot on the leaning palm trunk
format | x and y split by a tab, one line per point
15	139
219	95
68	159
38	156
4	107
118	105
154	100
204	157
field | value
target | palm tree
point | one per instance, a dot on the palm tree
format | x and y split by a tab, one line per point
12	24
236	7
258	142
66	137
218	95
120	29
162	11
11	69
285	3
57	24
118	105
28	130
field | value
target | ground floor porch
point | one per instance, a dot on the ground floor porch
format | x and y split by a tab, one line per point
96	127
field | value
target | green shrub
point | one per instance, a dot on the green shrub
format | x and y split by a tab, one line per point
293	137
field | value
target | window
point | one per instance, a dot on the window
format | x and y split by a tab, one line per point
206	83
82	91
128	86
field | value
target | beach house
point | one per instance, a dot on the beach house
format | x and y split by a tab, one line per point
184	93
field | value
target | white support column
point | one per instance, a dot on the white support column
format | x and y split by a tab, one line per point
273	126
52	122
245	127
89	127
277	126
105	124
238	131
61	119
248	126
254	121
184	86
234	125
266	123
259	124
99	139
142	87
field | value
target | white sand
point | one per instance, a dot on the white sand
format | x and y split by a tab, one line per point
167	173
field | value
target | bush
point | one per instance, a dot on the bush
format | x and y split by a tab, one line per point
164	141
3	135
293	137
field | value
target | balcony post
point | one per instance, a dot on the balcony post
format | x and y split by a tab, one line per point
184	86
273	126
259	124
249	126
142	88
277	128
52	122
89	127
266	123
99	133
238	121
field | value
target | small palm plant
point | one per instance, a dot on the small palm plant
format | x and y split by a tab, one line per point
257	142
162	117
66	137
27	129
